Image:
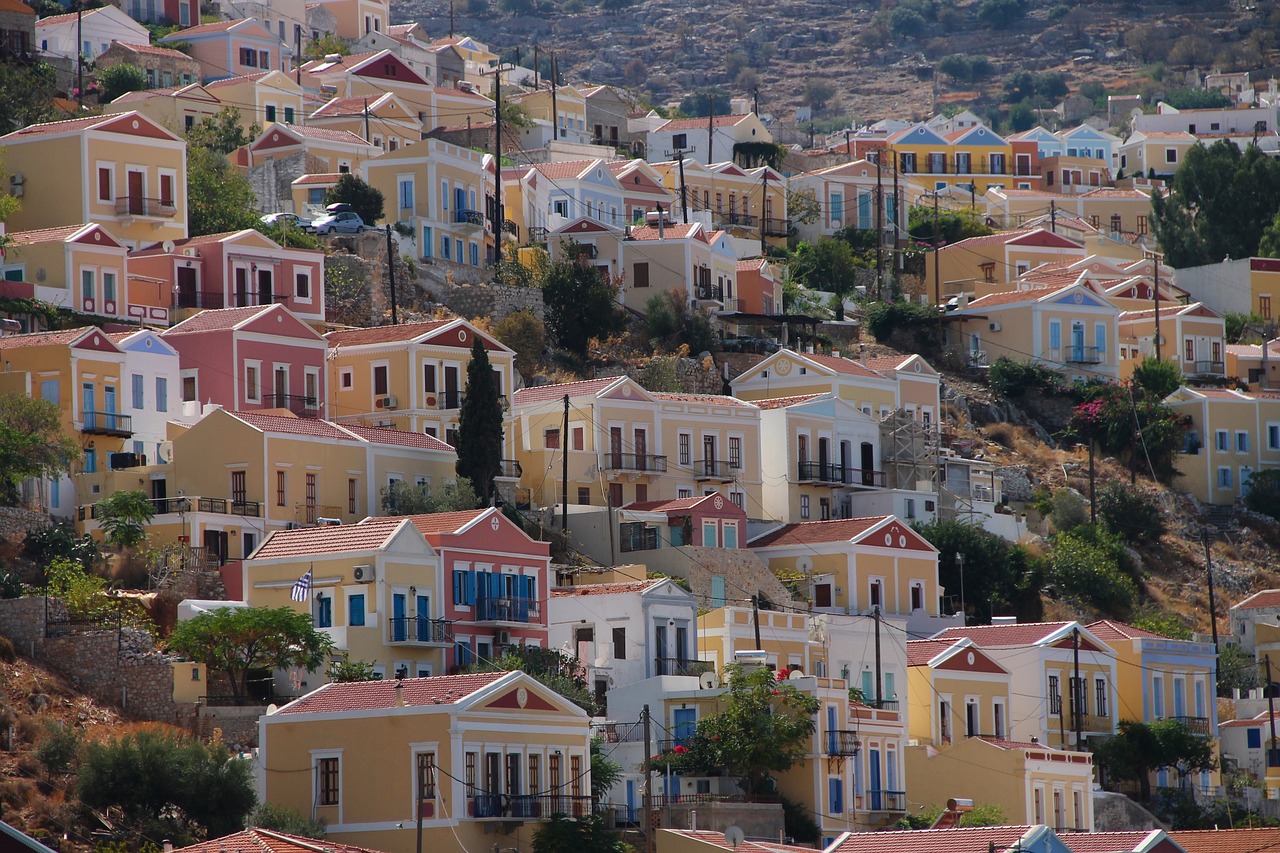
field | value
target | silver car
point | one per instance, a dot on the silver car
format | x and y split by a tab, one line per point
338	222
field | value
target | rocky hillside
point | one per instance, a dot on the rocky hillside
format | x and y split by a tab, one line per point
877	58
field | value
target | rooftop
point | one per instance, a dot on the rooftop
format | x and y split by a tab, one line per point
602	588
383	334
808	532
543	393
327	539
257	840
378	695
1018	634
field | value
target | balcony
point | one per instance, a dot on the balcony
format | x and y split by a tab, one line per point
1210	368
509	227
714	469
637	537
885	704
311	513
132	205
537	234
1195	725
636	462
1096	723
200	299
777	227
107	423
165	506
837	475
887	801
444	400
709	293
514	610
412	631
1084	355
679	666
733	306
299	404
526	807
510	469
468	218
735	220
253	298
843	743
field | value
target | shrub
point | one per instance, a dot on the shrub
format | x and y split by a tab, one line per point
7	653
1086	565
1067	511
905	21
884	318
59	748
1130	513
1157	377
525	333
11	586
1000	13
281	819
1164	622
1010	378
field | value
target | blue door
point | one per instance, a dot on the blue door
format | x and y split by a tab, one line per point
686	721
631	801
873	759
86	405
399	625
831	730
424	619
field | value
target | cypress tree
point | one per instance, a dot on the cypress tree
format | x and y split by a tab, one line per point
480	425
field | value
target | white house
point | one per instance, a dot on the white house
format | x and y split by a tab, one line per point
99	27
698	136
151	391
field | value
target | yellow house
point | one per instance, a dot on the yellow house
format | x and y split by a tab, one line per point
262	99
784	637
130	176
235	477
959	714
1192	336
1041	661
80	267
479	759
445	193
569	105
1070	328
384	120
370	75
725	196
627	444
1160	678
973	155
1228	435
356	18
979	266
178	108
324	150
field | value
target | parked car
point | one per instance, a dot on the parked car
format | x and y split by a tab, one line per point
287	220
338	218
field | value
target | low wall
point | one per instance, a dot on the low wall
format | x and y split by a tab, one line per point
756	820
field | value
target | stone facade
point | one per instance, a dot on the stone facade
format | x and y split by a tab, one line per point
16	522
163	67
740	568
448	284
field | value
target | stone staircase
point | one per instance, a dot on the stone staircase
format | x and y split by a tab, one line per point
1220	518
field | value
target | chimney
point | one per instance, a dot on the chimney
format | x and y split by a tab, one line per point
1035	739
835	353
661	223
399	693
168	846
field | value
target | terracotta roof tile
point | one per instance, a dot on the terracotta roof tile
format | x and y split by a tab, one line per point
887	362
810	532
669	232
709	399
1244	350
232	81
784	402
920	652
376	695
43	235
216	320
326	539
602	588
201	29
1013	297
290	425
991	636
958	840
383	334
1265	840
543	393
256	840
1107	842
60	19
432	525
155	50
1247	721
717	839
1108	630
701	123
672	504
402	438
1262	598
319	178
1011	744
565	169
62	337
326	134
51	127
843	365
751	264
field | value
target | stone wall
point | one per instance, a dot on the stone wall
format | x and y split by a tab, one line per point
22	621
1016	482
15	522
743	571
1114	812
756	820
237	726
695	375
476	299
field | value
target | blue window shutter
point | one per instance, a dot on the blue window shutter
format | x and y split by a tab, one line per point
1055	335
471	588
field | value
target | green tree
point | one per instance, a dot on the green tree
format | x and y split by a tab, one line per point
27	92
1222	202
124	517
364	199
1000	577
828	265
581	835
1238	326
1237	670
604	772
1068	511
672	323
232	641
32	444
1001	13
550	667
1196	99
1139	749
764	728
345	669
1130	512
803	206
525	333
281	819
953	225
327	44
480	424
1086	564
221	132
167	784
1153	618
218	197
1022	116
904	20
581	303
1158	378
402	498
120	78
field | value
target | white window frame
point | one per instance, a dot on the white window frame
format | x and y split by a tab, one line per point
303	272
252	393
111	169
316	756
1242	441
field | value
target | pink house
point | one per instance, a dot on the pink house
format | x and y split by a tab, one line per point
236	269
710	521
231	48
250	359
497	580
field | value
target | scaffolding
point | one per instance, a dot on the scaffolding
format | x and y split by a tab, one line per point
910	451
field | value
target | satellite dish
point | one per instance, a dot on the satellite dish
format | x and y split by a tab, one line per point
734	835
272	708
709	681
167	245
804	564
795	675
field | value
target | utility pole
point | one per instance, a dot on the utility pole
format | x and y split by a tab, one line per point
711	129
1093	500
499	214
1053	216
755	100
647	791
555	110
879	225
1270	691
755	617
1077	693
897	233
450	18
764	199
564	472
535	67
875	615
79	57
1213	604
391	276
1155	266
367	137
418	761
937	267
684	194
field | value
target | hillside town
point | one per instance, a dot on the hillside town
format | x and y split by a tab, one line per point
406	448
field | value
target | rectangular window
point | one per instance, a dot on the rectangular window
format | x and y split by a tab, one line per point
104	184
406	195
1100	697
380	382
1242	442
640	274
1189	350
280	480
735	452
1264	307
619	643
684	448
324	612
1224	478
352	487
426	776
804	506
251	382
288	115
188	389
551	439
584	496
1273	437
137	380
302	285
355	610
88	284
579	440
1221	440
1055	697
327	782
1253	738
108	287
162	394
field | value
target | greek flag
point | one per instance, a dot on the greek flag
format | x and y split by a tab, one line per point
302	588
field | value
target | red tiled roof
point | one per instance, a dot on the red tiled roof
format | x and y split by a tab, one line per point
1108	842
1264	840
40	339
920	652
43	235
216	319
669	232
50	127
155	50
1247	721
432	524
1262	598
403	438
809	532
963	839
751	264
987	636
1221	394
543	393
1113	193
1013	297
256	840
326	134
602	588
843	365
376	695
887	362
1167	134
563	170
1108	630
59	19
319	178
702	123
1010	744
784	402
1244	350
231	81
709	399
201	29
717	839
327	539
291	425
383	334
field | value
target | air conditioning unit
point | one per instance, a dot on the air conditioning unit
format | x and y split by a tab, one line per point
191	253
363	574
995	327
504	638
165	451
387	401
16	180
292	525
